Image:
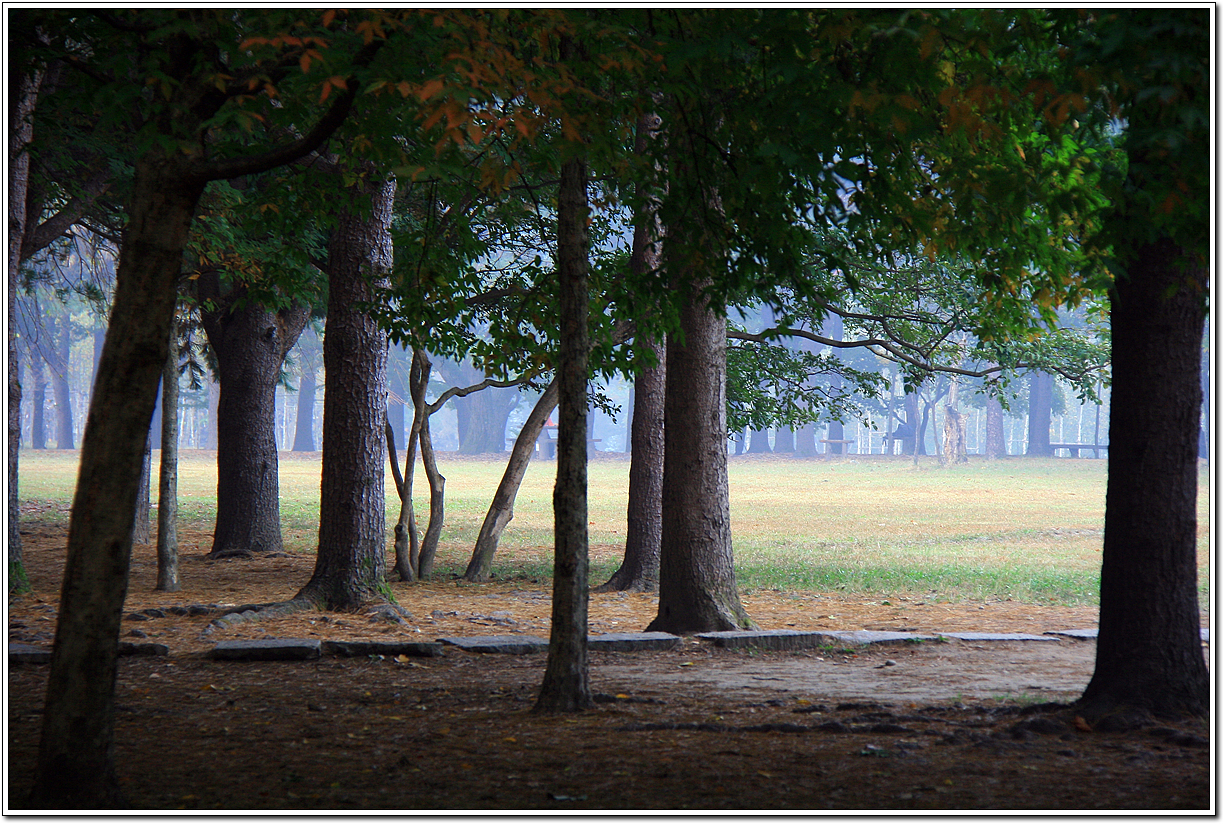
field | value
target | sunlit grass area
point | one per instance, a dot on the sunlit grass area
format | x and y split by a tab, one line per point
1025	529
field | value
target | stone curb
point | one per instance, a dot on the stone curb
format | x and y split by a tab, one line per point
268	649
509	644
30	654
632	641
353	649
1204	633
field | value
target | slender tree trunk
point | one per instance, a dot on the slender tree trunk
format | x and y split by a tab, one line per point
566	686
501	510
75	759
351	562
38	413
303	434
1149	655
59	381
639	571
251	343
23	95
167	492
141	527
437	503
407	542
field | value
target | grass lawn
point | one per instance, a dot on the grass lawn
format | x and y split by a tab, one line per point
1025	529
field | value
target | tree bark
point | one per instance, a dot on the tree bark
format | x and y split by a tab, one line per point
697	591
1149	656
1041	391
566	685
75	761
501	510
141	527
23	96
167	489
351	562
639	571
251	342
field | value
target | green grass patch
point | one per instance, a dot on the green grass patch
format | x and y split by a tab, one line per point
1025	529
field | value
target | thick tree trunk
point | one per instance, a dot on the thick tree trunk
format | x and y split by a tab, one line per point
566	685
1041	394
805	441
351	562
167	488
75	759
639	571
251	343
482	416
697	591
1149	655
996	445
758	442
501	510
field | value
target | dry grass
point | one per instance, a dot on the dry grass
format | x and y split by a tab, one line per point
1021	529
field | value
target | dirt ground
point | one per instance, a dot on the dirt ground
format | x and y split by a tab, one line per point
953	726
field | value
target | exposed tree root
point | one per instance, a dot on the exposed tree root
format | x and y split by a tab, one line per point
234	616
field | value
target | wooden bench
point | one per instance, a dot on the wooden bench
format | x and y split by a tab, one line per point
1076	447
828	451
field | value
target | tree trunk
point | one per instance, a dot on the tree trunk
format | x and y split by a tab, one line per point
501	510
639	571
784	440
250	342
996	445
75	758
23	95
141	527
210	428
303	434
758	442
805	441
60	373
167	490
1041	390
834	328
954	447
38	412
482	416
351	562
697	591
566	685
437	503
1149	655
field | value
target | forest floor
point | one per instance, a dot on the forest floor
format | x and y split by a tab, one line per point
950	725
